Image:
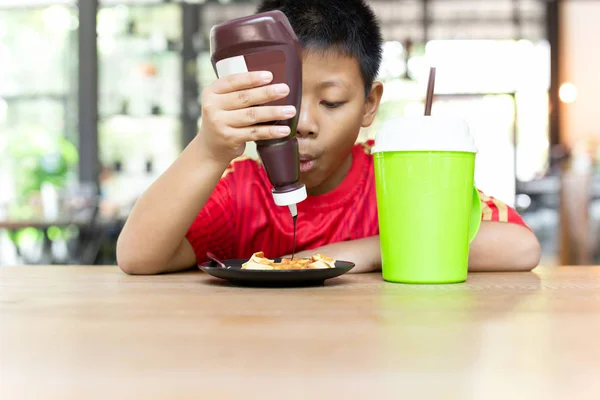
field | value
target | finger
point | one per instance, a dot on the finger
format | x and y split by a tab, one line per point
262	132
244	80
257	115
253	97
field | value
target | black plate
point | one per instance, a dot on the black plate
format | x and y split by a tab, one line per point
249	277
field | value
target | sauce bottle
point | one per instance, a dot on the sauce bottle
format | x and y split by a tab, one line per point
267	42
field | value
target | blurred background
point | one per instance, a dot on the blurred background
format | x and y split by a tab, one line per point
98	97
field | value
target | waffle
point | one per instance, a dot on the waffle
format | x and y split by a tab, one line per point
317	261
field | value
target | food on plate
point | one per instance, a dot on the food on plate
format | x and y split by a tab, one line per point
317	261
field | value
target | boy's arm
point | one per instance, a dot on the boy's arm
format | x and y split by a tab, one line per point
153	238
365	253
501	246
503	243
498	246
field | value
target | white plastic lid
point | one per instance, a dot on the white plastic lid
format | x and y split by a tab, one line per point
288	198
424	133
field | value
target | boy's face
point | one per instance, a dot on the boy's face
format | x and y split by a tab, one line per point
333	110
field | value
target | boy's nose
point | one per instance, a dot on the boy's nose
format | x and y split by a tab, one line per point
307	125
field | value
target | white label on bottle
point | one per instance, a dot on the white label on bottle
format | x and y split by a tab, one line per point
232	65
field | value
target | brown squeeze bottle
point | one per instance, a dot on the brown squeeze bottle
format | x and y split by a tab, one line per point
267	42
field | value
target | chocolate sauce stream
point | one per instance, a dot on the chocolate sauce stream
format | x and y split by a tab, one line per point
295	218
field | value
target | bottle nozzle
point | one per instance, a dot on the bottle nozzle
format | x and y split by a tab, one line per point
290	198
293	209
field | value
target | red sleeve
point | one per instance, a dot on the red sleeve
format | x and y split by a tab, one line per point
495	210
213	229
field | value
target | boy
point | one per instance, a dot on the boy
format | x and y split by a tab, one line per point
205	202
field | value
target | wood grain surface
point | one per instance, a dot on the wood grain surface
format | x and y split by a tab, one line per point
93	332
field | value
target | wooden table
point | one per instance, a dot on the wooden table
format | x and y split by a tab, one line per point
94	332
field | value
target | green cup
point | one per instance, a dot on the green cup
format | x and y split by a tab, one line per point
428	208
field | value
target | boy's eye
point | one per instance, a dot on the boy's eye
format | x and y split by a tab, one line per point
330	104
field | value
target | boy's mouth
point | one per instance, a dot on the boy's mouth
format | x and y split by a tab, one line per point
306	163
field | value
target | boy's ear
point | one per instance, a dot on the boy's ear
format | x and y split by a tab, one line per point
372	104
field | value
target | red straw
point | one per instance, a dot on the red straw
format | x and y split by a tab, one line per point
430	86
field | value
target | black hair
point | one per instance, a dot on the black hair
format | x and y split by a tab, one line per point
348	26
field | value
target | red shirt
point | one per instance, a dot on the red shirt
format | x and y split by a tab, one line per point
240	218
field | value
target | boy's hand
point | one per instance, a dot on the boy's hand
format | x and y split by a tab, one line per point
229	118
